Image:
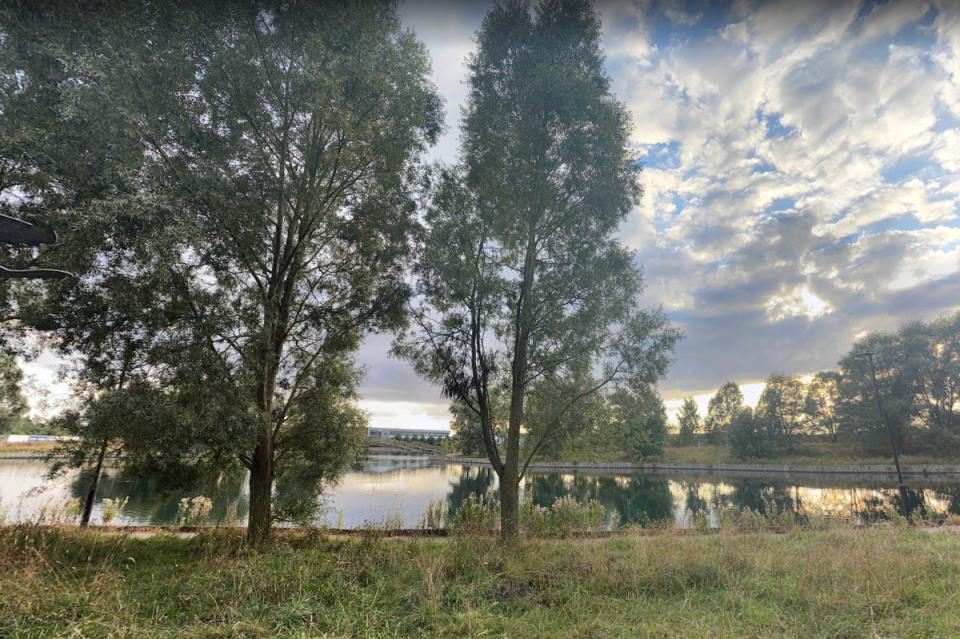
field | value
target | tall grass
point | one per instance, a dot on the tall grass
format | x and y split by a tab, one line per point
846	582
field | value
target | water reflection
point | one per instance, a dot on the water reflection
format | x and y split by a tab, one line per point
402	486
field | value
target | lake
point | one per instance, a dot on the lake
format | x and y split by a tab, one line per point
401	487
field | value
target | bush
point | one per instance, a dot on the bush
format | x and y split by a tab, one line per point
194	511
565	517
476	514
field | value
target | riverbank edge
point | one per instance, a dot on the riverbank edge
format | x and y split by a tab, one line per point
910	470
282	533
924	470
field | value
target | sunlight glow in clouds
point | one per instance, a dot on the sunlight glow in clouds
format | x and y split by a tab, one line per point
800	302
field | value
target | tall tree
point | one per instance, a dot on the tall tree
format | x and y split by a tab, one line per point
721	409
932	361
689	421
279	145
781	406
820	405
526	295
857	409
748	434
918	373
642	418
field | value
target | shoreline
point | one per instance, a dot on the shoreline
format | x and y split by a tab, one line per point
884	471
878	470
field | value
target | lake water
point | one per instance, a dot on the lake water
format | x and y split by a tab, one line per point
402	486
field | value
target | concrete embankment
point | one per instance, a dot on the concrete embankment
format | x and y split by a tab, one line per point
756	470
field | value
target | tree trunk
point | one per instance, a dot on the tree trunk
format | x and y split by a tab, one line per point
510	478
509	501
260	516
94	483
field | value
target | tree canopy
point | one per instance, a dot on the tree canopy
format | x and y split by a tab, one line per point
268	217
721	409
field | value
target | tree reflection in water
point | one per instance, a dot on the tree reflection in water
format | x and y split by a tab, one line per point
635	499
630	499
153	502
474	480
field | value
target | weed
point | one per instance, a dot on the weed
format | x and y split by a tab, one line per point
111	508
194	511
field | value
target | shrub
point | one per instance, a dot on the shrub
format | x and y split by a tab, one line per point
194	511
475	514
565	517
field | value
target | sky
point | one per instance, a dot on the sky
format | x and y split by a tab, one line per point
801	176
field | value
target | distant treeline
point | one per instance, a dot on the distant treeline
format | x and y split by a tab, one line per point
918	378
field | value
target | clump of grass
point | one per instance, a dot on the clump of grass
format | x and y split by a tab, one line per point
564	517
56	513
434	517
476	515
194	511
111	508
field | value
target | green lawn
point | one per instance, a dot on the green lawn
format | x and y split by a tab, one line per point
878	582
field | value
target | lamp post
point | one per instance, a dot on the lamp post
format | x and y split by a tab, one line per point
893	439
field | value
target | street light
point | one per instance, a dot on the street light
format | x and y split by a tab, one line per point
893	439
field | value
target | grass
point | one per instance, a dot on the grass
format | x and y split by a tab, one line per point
36	448
843	582
806	451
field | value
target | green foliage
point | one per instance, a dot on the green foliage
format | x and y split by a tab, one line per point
782	407
642	420
434	517
721	411
466	436
476	514
820	404
564	517
13	405
325	433
749	435
918	374
194	511
689	421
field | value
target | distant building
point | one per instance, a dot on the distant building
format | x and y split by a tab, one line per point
406	433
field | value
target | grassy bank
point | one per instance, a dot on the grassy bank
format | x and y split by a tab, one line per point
805	452
888	582
808	452
37	448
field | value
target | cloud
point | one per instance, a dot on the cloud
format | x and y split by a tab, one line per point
810	189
